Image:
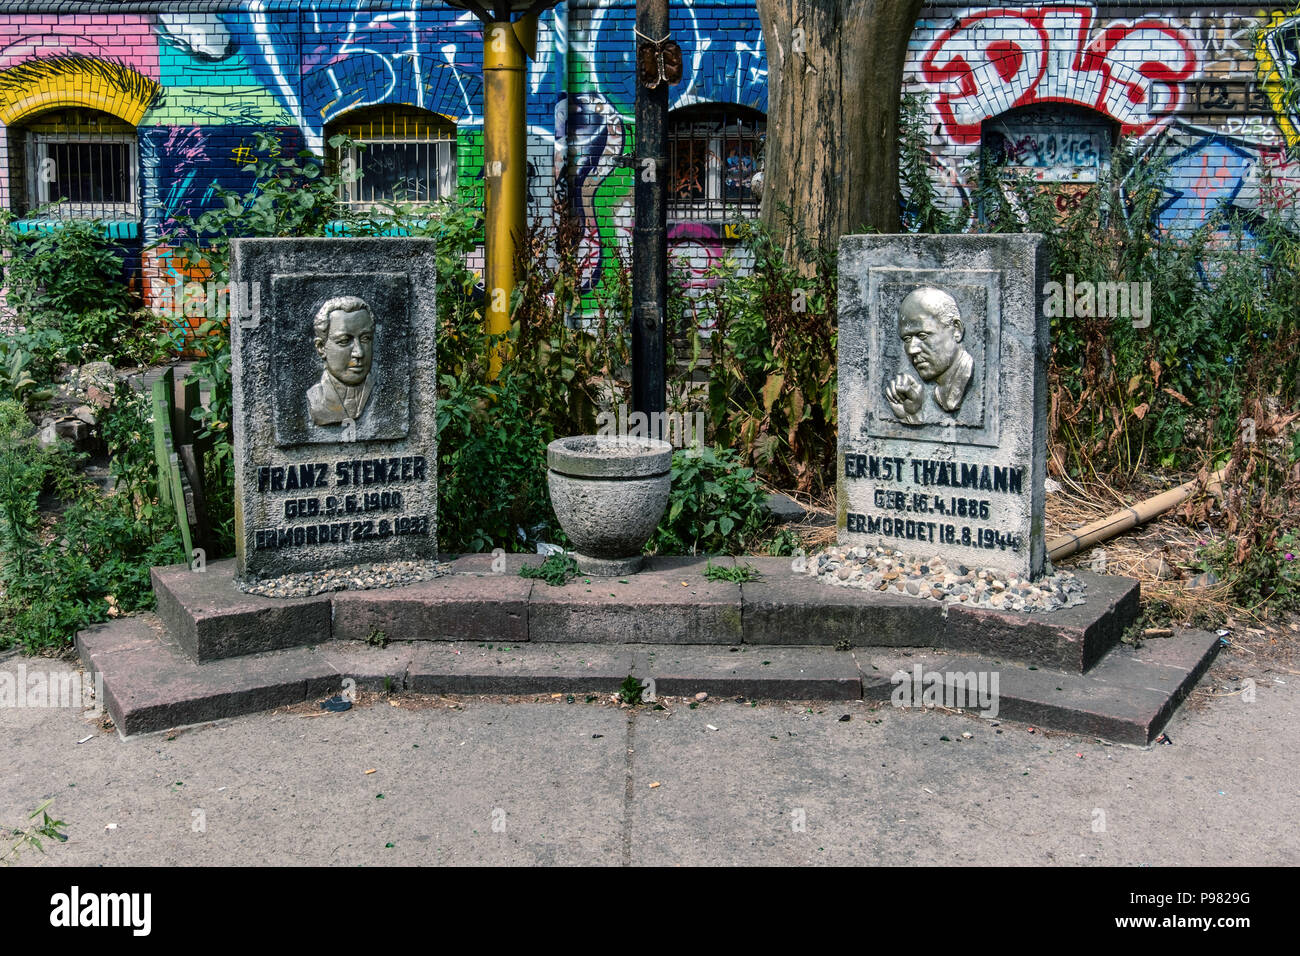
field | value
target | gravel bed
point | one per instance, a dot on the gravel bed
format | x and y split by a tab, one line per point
358	577
933	579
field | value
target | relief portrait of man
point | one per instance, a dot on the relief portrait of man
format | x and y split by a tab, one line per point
931	328
345	333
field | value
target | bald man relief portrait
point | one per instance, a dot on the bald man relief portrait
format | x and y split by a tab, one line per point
931	329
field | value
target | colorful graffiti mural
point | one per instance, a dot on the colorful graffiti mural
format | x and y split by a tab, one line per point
991	61
1215	89
1208	89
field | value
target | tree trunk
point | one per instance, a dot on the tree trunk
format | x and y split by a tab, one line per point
835	72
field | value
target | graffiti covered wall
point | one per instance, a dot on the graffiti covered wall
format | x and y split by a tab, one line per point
1208	87
1211	87
198	84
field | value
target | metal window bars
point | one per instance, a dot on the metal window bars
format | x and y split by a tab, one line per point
406	159
88	175
712	158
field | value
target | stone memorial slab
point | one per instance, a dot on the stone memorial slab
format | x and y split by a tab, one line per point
943	398
335	381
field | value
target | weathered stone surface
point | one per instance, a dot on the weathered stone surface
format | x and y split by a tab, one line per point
519	669
336	453
773	673
456	607
1073	638
154	685
150	684
609	493
212	619
787	607
1128	697
670	602
943	397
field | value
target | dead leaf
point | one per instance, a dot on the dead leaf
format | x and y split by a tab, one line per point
1140	411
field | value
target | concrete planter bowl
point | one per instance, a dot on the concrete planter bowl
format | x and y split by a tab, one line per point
609	493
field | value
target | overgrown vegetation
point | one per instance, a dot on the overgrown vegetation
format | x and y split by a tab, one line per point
493	434
715	505
739	574
91	561
772	376
1208	377
630	691
30	833
67	285
557	570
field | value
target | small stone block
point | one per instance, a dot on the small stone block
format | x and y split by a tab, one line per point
212	619
668	602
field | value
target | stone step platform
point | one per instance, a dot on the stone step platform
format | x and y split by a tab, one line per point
670	602
151	683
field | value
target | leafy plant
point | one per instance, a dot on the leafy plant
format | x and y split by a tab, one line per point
94	561
630	691
739	574
24	469
715	505
30	835
557	570
16	379
493	433
772	379
68	278
784	544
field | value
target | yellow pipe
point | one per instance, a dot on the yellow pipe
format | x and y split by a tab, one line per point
504	168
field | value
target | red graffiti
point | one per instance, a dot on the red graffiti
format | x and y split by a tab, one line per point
993	60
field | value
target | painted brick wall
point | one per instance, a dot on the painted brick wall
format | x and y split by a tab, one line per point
1192	82
199	80
723	62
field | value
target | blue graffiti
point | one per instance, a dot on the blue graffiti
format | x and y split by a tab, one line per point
1210	173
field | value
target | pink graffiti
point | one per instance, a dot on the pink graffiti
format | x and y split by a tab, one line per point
695	248
128	39
997	59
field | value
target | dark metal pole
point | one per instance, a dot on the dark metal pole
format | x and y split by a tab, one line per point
650	230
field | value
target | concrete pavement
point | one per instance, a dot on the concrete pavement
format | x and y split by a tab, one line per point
545	781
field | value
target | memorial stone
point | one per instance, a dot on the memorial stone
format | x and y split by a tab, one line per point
943	398
335	381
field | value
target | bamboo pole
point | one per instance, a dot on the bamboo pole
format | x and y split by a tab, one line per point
1121	521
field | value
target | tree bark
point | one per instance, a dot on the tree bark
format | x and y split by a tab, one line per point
835	73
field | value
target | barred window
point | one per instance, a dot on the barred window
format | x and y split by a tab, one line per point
409	155
84	160
713	153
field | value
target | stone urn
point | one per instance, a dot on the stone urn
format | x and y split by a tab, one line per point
609	492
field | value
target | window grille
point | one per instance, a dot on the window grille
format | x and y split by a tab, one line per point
83	160
409	156
713	154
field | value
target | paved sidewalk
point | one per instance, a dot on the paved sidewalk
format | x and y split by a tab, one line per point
488	781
